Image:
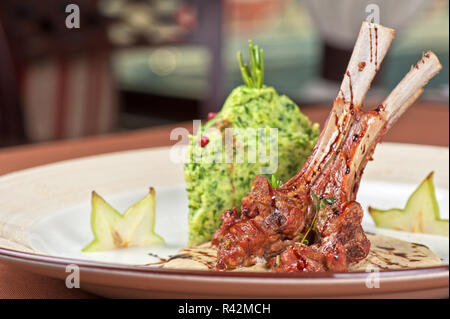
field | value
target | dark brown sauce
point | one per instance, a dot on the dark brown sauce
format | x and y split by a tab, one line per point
376	47
387	261
204	253
156	256
380	108
386	248
382	267
210	265
336	118
361	66
180	256
160	262
351	90
403	255
370	35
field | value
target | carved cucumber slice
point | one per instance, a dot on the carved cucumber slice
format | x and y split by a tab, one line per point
113	230
420	215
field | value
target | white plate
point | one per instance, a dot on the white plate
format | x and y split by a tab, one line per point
45	222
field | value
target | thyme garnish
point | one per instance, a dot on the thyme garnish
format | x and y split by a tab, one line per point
274	182
319	204
277	261
304	241
254	76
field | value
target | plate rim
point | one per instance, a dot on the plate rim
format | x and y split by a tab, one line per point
31	258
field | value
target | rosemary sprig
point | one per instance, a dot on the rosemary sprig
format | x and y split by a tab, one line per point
319	204
253	76
304	240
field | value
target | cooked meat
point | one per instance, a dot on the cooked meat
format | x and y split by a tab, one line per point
313	222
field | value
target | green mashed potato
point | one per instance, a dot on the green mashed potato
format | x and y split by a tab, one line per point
215	185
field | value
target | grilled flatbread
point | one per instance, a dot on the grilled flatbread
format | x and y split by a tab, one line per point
386	253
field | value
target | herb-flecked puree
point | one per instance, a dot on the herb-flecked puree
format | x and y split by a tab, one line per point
215	186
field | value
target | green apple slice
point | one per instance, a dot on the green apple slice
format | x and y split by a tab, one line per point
113	230
420	215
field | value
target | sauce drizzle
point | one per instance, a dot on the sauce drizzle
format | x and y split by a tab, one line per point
370	36
376	47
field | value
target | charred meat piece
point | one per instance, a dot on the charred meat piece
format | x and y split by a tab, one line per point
313	222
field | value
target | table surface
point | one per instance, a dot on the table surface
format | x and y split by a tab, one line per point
424	123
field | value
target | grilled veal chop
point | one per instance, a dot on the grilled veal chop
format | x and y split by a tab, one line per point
313	222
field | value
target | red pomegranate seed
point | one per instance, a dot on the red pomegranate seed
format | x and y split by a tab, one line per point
203	141
211	115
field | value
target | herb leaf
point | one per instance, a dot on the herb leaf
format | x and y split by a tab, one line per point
253	76
275	183
319	204
304	241
277	261
327	201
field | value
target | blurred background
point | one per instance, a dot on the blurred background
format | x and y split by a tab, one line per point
134	64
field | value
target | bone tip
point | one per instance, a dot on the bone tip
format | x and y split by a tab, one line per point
431	55
428	57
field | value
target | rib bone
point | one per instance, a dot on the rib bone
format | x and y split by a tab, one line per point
399	100
410	87
370	49
273	221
